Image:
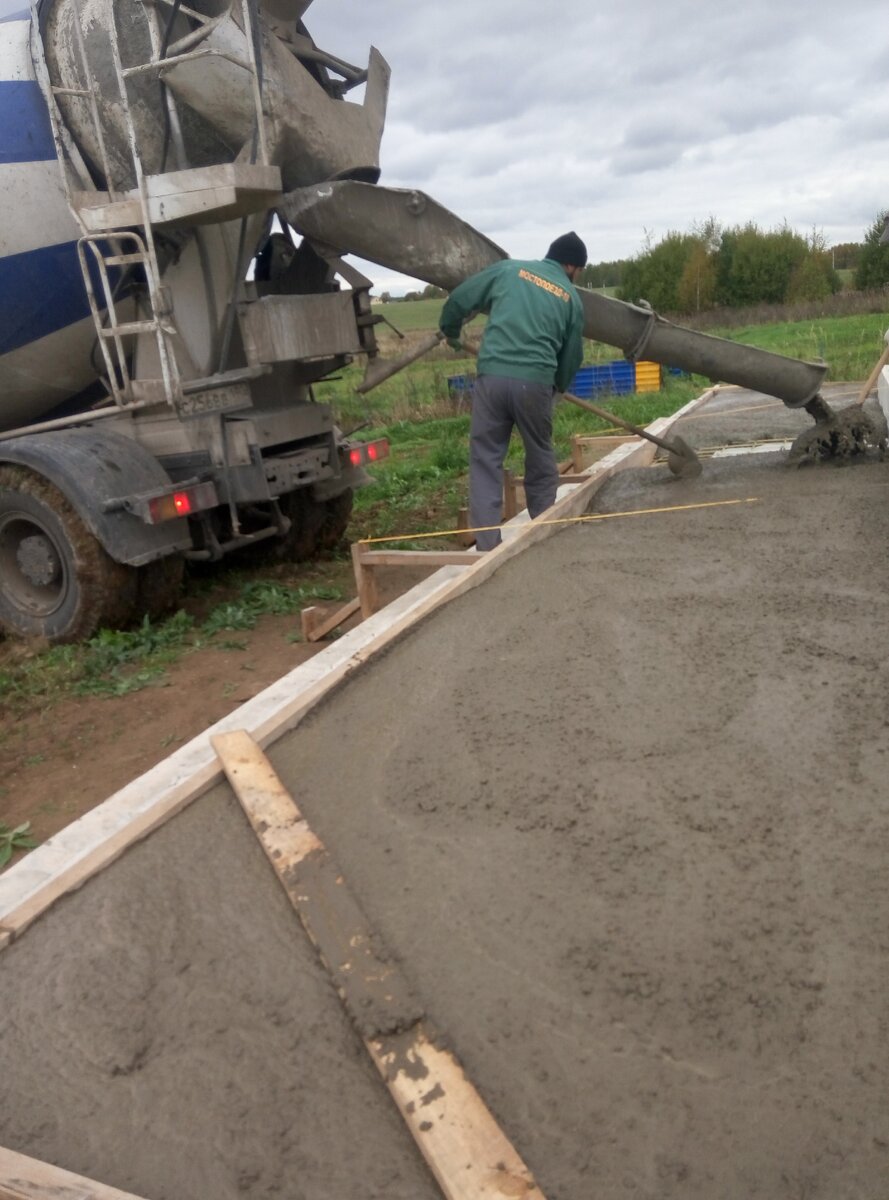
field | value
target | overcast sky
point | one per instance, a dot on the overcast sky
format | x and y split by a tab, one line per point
627	118
624	119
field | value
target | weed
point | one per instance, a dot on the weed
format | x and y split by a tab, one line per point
261	597
12	839
230	616
107	660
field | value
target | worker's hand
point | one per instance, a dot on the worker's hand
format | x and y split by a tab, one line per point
455	343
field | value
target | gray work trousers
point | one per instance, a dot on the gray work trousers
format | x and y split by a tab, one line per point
498	405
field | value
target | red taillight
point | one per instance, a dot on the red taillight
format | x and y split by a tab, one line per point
367	452
180	504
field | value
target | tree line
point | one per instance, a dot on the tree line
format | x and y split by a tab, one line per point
743	265
732	267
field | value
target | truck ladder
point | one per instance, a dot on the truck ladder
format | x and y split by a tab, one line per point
107	251
181	196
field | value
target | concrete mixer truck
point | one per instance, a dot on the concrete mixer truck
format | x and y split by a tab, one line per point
181	182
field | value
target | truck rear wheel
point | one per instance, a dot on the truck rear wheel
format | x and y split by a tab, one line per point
159	586
336	520
56	580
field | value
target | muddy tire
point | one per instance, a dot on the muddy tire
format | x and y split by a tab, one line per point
336	520
159	586
56	580
300	542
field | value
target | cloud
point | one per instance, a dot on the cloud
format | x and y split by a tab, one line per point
527	119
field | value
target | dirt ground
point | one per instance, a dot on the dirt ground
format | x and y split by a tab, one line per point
627	839
57	762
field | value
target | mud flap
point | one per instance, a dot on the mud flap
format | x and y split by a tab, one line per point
93	468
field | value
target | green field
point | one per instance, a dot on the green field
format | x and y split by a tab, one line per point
411	315
849	345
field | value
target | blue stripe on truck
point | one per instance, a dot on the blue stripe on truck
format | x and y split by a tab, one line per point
40	292
25	131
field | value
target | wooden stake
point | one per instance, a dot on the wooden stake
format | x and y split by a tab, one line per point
365	582
23	1178
464	539
873	377
466	1150
315	627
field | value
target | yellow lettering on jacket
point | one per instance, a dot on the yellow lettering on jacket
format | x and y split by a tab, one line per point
545	284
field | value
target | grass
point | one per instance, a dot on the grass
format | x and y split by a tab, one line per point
116	662
850	345
411	315
12	839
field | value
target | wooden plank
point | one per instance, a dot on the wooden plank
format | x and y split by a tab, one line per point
567	477
98	838
590	449
23	1178
314	628
417	558
464	1147
467	1151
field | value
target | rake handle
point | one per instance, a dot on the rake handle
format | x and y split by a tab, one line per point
619	421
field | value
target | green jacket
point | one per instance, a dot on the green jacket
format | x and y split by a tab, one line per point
535	320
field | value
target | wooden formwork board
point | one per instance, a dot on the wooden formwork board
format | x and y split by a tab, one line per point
23	1178
95	840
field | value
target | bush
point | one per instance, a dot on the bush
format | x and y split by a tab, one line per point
873	264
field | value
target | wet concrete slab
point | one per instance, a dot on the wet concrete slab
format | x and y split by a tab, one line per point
620	817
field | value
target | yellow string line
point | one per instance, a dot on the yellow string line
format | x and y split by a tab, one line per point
636	512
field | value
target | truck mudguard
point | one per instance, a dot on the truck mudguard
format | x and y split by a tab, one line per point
93	468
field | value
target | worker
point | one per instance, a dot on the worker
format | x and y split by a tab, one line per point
531	348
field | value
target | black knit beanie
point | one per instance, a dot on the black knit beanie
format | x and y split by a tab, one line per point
568	250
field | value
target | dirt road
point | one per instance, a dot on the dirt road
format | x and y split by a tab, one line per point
621	814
